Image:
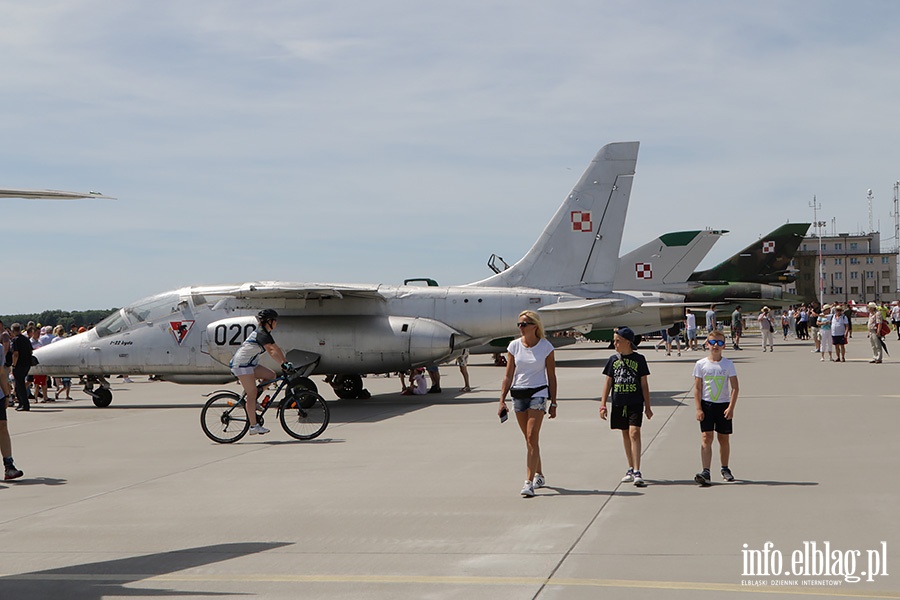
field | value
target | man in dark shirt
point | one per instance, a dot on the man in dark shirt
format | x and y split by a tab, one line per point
21	364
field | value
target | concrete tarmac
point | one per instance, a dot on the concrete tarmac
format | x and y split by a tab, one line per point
418	497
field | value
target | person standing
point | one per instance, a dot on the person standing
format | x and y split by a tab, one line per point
21	364
9	468
628	386
813	324
462	362
40	381
530	378
690	320
895	317
839	325
873	324
827	344
737	327
715	398
767	328
5	362
711	324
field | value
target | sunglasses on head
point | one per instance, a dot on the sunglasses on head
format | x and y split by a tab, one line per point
716	342
522	324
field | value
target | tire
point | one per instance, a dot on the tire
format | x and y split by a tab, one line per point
103	397
304	423
224	419
347	387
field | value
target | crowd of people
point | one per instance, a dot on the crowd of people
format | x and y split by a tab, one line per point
17	387
829	328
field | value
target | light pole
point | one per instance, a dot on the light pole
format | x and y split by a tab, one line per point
820	267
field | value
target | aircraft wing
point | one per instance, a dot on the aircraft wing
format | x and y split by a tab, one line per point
49	194
277	290
583	311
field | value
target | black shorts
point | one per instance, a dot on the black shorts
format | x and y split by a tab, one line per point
714	417
838	340
3	404
625	416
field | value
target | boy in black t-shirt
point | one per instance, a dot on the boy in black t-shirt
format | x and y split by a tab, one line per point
626	379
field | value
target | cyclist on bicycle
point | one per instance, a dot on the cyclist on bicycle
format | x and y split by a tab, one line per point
245	363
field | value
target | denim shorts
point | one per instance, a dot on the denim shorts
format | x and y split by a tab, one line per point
530	403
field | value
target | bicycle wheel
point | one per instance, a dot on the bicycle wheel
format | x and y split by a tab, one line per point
224	419
304	423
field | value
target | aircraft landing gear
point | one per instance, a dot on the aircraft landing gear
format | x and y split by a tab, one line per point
102	396
348	387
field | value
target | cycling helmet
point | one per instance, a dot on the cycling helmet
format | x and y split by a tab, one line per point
266	314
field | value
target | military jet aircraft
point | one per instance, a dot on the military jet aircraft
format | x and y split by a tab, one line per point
49	194
751	278
189	335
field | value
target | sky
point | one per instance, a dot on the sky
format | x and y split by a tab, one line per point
372	141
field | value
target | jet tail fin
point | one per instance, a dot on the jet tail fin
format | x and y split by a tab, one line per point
669	259
765	261
580	246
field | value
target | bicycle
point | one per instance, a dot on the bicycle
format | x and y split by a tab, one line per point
303	413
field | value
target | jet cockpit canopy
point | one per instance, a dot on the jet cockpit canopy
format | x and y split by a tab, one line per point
146	310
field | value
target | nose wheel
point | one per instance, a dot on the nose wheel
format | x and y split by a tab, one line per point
101	395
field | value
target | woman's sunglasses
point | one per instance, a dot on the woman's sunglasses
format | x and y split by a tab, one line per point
522	324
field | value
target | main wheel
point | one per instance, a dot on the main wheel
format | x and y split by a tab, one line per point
304	416
347	387
223	418
102	397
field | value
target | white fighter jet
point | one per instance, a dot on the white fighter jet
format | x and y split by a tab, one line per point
49	194
189	335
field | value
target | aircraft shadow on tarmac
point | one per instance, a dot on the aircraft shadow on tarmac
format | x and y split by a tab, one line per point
94	581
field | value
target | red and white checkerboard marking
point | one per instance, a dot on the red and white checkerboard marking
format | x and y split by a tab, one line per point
643	270
581	221
768	247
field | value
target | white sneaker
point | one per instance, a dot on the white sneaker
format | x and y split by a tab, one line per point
528	490
258	429
638	479
629	476
538	481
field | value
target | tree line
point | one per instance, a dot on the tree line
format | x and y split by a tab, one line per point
66	318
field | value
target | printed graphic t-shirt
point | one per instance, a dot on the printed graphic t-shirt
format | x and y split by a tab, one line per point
715	376
626	371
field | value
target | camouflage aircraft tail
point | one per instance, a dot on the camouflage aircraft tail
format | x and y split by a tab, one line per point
765	261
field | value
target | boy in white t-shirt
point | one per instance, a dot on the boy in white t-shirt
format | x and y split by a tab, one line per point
715	397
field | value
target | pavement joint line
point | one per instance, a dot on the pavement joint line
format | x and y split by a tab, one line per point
730	588
550	580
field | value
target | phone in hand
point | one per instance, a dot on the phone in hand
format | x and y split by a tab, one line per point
504	414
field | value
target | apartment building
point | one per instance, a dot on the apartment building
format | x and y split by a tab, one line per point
854	267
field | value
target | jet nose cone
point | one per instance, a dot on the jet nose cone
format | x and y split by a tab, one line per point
64	357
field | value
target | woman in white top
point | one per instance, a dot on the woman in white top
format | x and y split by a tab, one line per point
531	378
